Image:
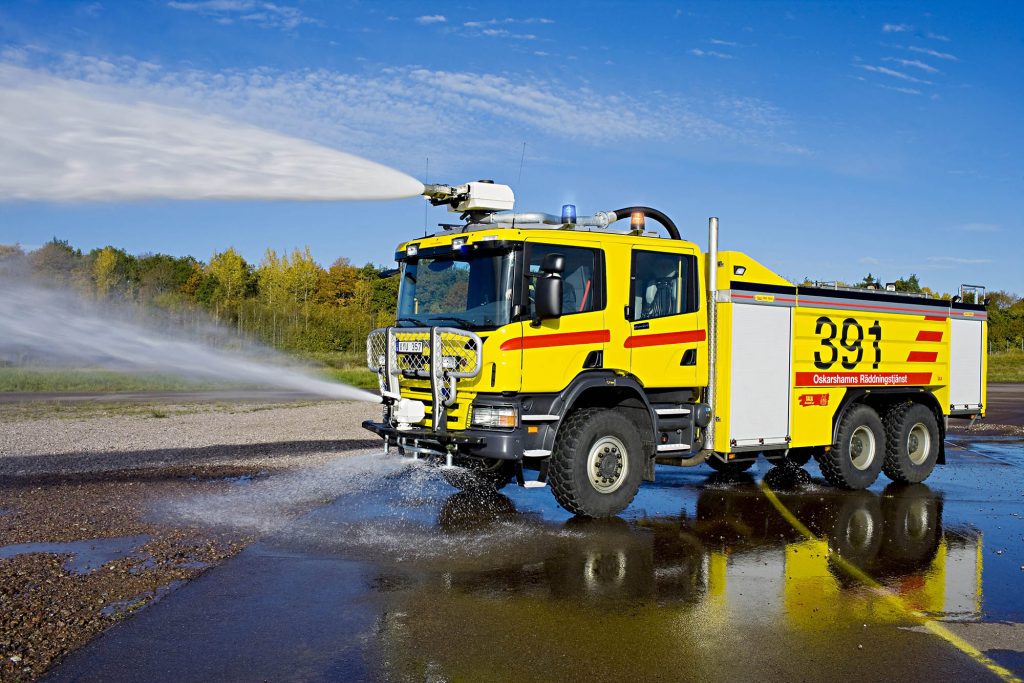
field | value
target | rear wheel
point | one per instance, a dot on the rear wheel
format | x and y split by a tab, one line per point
912	443
597	463
856	460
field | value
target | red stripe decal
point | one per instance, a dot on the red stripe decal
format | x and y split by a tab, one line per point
936	318
922	356
544	341
854	379
834	304
929	336
666	338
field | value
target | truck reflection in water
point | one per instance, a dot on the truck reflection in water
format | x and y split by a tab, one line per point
734	569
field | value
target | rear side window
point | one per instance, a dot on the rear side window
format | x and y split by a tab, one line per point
663	285
582	281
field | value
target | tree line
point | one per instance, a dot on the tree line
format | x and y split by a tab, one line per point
291	302
286	300
1005	309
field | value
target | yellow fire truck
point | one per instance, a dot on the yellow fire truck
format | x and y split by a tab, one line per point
533	342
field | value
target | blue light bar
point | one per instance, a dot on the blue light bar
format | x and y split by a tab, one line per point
568	214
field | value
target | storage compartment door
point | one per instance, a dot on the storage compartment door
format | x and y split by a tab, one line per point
965	364
759	394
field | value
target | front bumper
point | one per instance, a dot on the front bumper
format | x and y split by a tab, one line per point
505	445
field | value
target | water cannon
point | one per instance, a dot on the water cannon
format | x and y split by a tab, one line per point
479	197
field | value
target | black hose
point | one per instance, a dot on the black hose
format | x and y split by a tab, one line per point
673	231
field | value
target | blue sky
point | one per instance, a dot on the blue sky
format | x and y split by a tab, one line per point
832	139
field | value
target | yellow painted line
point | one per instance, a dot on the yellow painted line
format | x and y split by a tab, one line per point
892	598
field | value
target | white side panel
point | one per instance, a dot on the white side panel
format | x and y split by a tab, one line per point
965	364
759	396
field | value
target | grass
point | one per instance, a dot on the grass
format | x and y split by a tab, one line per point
347	368
81	410
40	379
1006	366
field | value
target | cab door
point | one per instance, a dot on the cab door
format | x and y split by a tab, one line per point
668	337
557	350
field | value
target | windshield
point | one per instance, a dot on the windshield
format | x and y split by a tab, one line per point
460	290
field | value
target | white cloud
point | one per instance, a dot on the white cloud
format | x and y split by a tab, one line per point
697	52
940	261
718	41
869	261
258	12
431	19
933	53
480	23
892	72
896	28
67	140
980	227
503	33
399	115
913	63
905	91
936	36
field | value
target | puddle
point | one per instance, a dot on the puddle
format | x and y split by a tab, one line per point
85	556
140	601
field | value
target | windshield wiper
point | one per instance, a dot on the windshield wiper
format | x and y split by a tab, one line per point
414	321
463	321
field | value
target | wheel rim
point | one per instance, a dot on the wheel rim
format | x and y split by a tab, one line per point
919	443
607	464
917	521
862	447
860	531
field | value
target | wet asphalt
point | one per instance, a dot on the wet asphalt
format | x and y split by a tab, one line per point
702	578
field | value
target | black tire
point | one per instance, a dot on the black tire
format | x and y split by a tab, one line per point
801	456
913	526
471	511
479	474
856	460
610	439
729	469
912	443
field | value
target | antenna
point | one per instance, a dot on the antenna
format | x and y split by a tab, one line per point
426	181
522	160
519	178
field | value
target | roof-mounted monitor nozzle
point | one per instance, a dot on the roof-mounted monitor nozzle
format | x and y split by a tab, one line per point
481	196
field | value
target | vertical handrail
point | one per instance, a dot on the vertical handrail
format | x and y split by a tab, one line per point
709	432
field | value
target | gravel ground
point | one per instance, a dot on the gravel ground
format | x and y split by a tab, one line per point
65	479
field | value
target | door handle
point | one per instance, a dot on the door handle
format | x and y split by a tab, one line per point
689	358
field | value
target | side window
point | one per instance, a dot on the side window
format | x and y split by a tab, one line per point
582	290
662	285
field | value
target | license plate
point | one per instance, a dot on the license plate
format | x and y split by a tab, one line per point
410	347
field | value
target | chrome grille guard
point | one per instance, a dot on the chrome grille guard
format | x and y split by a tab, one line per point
460	353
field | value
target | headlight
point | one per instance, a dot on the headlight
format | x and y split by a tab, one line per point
493	417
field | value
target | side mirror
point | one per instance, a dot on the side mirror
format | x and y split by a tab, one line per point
547	299
553	264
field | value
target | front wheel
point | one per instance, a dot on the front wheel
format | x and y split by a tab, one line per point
597	463
479	474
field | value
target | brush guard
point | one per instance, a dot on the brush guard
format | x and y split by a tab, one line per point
460	355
